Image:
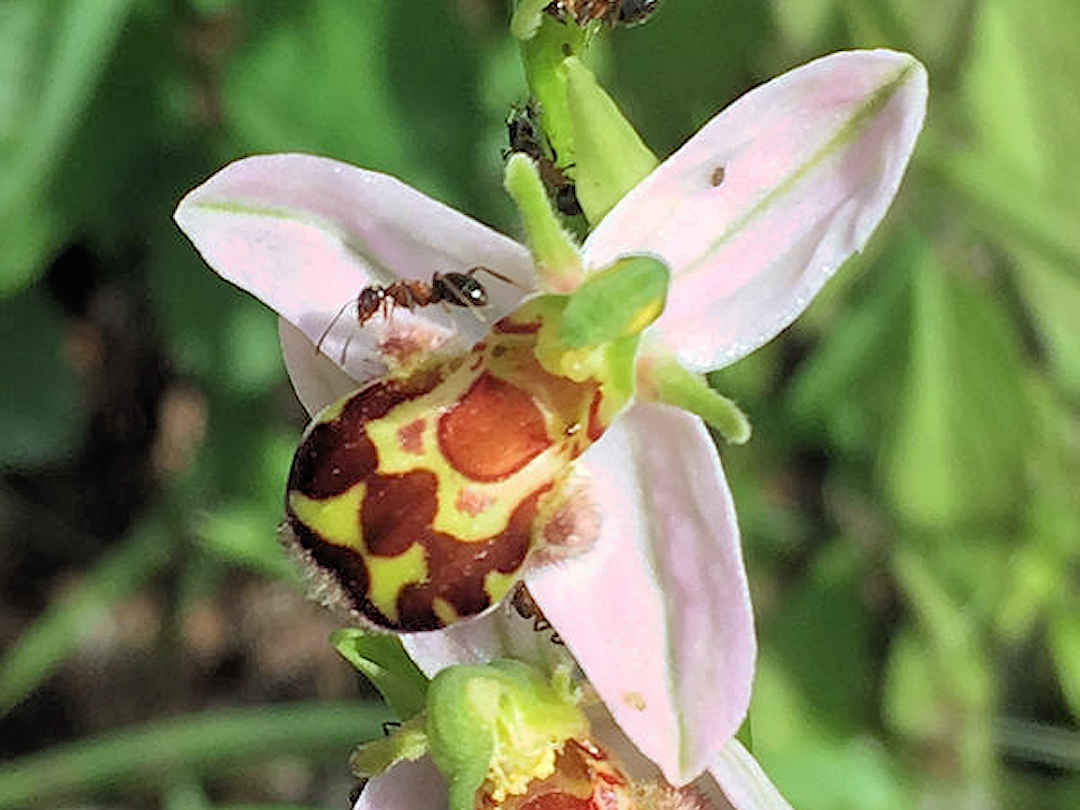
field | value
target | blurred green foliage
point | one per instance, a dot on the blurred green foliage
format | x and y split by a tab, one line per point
909	502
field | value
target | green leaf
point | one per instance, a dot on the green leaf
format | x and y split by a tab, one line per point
609	156
382	659
957	454
1005	206
54	54
213	742
1054	299
1000	91
1063	636
911	701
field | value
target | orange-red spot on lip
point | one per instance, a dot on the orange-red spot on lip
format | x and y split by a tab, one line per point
411	437
472	502
494	430
509	327
596	428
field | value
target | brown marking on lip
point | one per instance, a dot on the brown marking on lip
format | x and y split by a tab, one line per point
596	428
458	569
509	327
717	176
472	502
337	453
494	430
410	437
398	511
346	565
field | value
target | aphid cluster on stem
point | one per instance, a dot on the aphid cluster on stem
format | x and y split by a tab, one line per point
525	607
612	12
524	135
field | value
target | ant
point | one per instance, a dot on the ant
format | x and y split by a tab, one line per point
459	289
524	137
621	12
526	608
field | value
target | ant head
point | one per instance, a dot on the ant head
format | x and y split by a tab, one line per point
461	290
635	11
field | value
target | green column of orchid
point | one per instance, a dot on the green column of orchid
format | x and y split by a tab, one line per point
606	158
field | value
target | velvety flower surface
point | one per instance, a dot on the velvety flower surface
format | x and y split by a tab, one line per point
752	215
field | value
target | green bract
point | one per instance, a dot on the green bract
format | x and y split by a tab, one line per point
382	659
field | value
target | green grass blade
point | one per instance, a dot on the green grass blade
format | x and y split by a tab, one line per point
203	743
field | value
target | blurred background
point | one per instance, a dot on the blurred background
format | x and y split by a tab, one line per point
909	502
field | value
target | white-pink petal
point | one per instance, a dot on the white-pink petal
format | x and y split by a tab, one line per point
743	782
317	380
809	161
406	786
658	612
305	234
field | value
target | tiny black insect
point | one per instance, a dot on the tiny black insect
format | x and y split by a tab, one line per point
612	12
526	608
524	136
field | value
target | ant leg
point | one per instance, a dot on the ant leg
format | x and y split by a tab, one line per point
334	320
474	270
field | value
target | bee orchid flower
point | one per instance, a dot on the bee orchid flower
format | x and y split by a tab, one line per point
751	216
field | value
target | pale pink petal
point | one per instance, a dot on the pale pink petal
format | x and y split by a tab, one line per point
406	786
499	633
305	234
317	380
743	782
658	612
810	163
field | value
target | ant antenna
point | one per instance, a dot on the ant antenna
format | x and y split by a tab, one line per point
473	270
329	326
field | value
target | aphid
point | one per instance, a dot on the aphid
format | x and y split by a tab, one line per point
525	137
526	608
459	289
612	12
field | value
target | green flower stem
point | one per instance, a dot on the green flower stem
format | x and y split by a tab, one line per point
527	18
542	56
558	263
667	381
